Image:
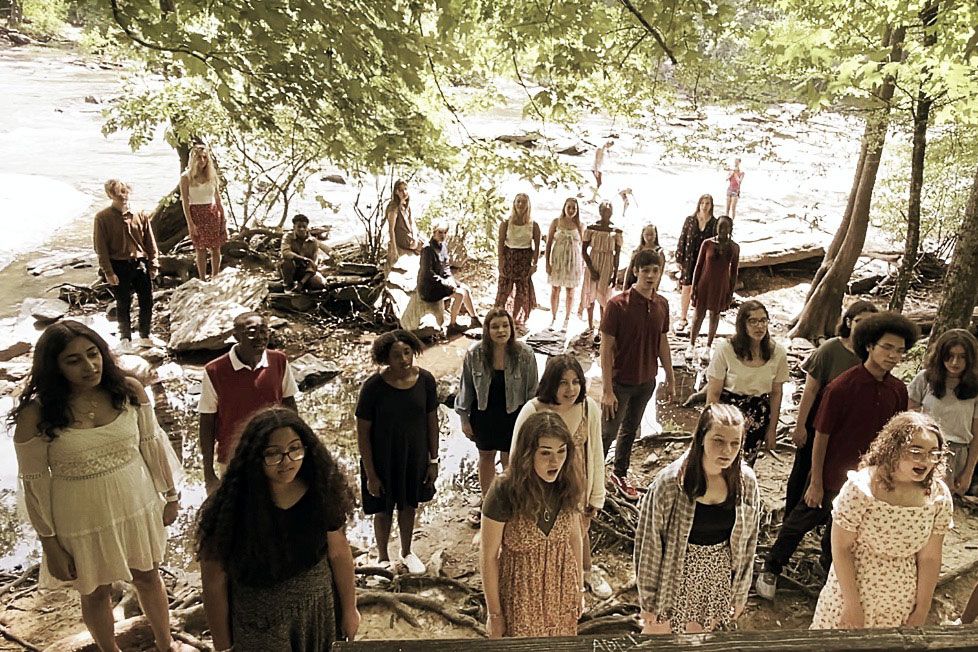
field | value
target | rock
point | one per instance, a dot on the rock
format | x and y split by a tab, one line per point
202	313
14	371
335	178
154	355
91	99
650	461
864	284
575	149
14	350
436	563
291	301
73	259
45	311
363	296
357	269
779	254
526	140
51	273
447	387
311	372
112	311
275	322
180	266
17	38
135	365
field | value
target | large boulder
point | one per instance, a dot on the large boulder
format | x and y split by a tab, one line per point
202	313
45	311
311	372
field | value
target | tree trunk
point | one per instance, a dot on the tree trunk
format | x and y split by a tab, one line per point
823	305
958	298
921	116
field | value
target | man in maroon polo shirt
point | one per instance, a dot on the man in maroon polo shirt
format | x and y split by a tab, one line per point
854	408
634	330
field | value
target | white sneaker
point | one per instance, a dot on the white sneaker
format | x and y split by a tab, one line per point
413	564
690	352
598	585
766	585
125	347
150	342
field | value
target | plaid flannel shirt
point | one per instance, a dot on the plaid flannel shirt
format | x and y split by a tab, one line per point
665	521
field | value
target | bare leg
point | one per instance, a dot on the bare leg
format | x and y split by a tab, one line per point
971	609
456	307
554	304
467	299
382	532
504	460
699	314
714	324
590	316
202	264
726	211
405	524
570	304
215	261
732	206
586	538
153	600
487	470
96	608
687	292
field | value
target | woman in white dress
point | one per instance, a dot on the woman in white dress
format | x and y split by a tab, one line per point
565	267
98	478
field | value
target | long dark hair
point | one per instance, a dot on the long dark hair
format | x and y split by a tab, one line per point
844	329
520	482
697	209
741	339
236	525
554	372
487	344
692	472
51	391
936	372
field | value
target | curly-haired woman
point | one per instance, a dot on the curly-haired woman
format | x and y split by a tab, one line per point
888	527
531	536
98	478
272	545
947	389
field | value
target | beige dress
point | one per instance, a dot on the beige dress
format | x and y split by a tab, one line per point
98	490
602	254
887	539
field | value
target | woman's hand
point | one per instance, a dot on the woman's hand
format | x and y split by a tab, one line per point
60	563
771	438
652	625
170	511
963	482
374	488
917	618
852	615
495	626
350	623
467	431
799	436
595	276
432	473
738	611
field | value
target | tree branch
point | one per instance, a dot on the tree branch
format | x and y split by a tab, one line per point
650	29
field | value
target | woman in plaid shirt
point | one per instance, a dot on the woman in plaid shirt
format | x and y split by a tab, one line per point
697	532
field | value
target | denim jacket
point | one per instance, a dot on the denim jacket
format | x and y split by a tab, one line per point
520	374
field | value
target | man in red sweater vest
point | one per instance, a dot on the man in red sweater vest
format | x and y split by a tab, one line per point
244	380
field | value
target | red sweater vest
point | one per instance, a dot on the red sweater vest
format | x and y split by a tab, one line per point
242	393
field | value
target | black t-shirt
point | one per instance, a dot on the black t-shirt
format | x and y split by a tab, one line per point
712	524
498	505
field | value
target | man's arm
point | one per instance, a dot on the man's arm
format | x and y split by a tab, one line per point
609	403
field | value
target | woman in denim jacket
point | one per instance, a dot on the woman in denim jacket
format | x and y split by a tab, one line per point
499	375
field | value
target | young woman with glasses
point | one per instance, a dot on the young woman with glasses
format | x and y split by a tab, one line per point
748	371
272	537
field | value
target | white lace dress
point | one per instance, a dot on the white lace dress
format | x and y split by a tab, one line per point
566	263
98	490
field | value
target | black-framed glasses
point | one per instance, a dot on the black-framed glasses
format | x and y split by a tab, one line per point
757	321
918	454
272	458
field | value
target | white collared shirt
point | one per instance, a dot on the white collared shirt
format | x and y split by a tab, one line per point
208	397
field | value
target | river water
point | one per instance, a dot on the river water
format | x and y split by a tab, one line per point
54	160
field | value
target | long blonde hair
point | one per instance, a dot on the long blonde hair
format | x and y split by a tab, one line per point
197	172
512	214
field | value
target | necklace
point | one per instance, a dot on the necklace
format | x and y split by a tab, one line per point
547	516
89	414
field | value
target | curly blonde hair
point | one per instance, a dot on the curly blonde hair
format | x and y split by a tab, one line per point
885	451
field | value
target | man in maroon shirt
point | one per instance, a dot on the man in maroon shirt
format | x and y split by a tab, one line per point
854	408
634	329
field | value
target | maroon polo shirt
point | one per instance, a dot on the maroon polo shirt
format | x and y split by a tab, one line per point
637	324
854	408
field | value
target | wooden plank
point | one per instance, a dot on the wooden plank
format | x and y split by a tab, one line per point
955	639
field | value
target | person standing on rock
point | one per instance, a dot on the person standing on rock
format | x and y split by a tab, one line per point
200	193
244	380
397	436
129	259
275	563
635	328
300	258
99	479
601	251
499	375
714	280
402	235
530	548
565	266
518	249
734	180
436	281
697	532
749	371
699	226
853	410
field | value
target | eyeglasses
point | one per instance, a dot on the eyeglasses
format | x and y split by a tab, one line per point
918	454
889	348
274	459
757	321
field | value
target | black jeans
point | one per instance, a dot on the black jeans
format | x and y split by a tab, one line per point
797	523
798	479
133	275
623	427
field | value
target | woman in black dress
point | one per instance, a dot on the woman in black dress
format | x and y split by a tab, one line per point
397	434
436	282
699	226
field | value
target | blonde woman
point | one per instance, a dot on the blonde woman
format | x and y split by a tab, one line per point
519	249
200	193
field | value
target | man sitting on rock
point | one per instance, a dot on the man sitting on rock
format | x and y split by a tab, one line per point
300	258
244	380
129	259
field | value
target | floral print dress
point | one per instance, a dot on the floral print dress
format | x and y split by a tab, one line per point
887	539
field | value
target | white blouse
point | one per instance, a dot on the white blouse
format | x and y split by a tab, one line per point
741	379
